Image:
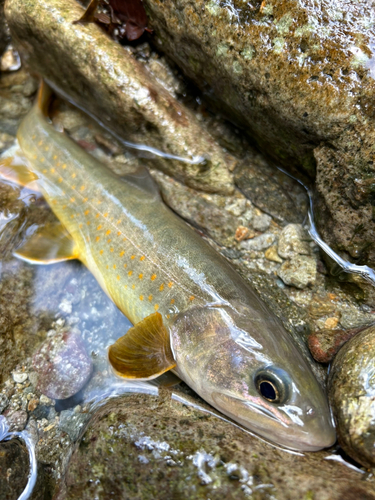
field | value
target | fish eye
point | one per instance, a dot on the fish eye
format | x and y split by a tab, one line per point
272	384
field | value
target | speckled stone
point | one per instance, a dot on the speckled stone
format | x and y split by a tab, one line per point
293	241
62	365
145	447
258	243
352	396
300	271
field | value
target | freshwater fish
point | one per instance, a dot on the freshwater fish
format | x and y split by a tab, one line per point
192	313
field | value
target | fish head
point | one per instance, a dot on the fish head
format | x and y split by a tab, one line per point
243	362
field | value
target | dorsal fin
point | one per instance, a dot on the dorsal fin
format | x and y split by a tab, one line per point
144	352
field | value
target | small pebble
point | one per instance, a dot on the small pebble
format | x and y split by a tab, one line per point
10	60
17	420
293	241
63	366
261	222
242	233
272	255
19	377
259	243
300	271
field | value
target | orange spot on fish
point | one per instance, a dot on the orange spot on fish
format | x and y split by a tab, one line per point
97	238
118	277
87	238
35	157
114	266
108	232
125	265
99	227
64	207
153	277
85	199
118	233
170	284
150	298
111	249
133	287
97	215
191	297
88	222
73	187
101	252
119	221
52	170
72	216
33	137
172	301
74	175
60	179
40	143
55	157
122	253
125	286
161	287
156	307
64	166
72	200
109	241
46	148
168	316
140	276
99	202
107	266
80	226
106	214
141	297
130	273
42	160
45	171
54	202
132	257
142	258
87	212
82	188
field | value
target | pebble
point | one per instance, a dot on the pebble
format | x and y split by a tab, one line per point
261	222
259	242
63	366
19	378
17	420
293	241
351	388
272	254
300	271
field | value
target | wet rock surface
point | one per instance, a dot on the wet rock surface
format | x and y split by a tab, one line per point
299	77
148	447
14	465
352	394
107	81
133	437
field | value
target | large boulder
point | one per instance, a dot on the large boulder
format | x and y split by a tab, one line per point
298	77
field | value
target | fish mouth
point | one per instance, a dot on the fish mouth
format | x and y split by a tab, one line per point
275	425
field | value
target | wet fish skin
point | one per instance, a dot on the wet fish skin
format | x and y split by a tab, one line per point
147	260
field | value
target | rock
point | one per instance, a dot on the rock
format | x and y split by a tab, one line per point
300	271
261	222
293	241
16	420
63	366
299	77
141	446
258	243
72	422
272	255
19	377
14	469
352	395
116	86
263	186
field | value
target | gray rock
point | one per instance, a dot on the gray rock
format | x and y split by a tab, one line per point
293	241
258	243
352	395
300	271
72	422
261	222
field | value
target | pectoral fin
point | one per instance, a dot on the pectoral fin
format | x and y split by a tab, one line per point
15	169
144	352
48	245
89	15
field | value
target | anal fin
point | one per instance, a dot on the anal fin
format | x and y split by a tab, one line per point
49	244
144	352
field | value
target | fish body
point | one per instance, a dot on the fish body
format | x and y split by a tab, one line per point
226	344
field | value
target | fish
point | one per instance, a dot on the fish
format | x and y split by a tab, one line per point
193	314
